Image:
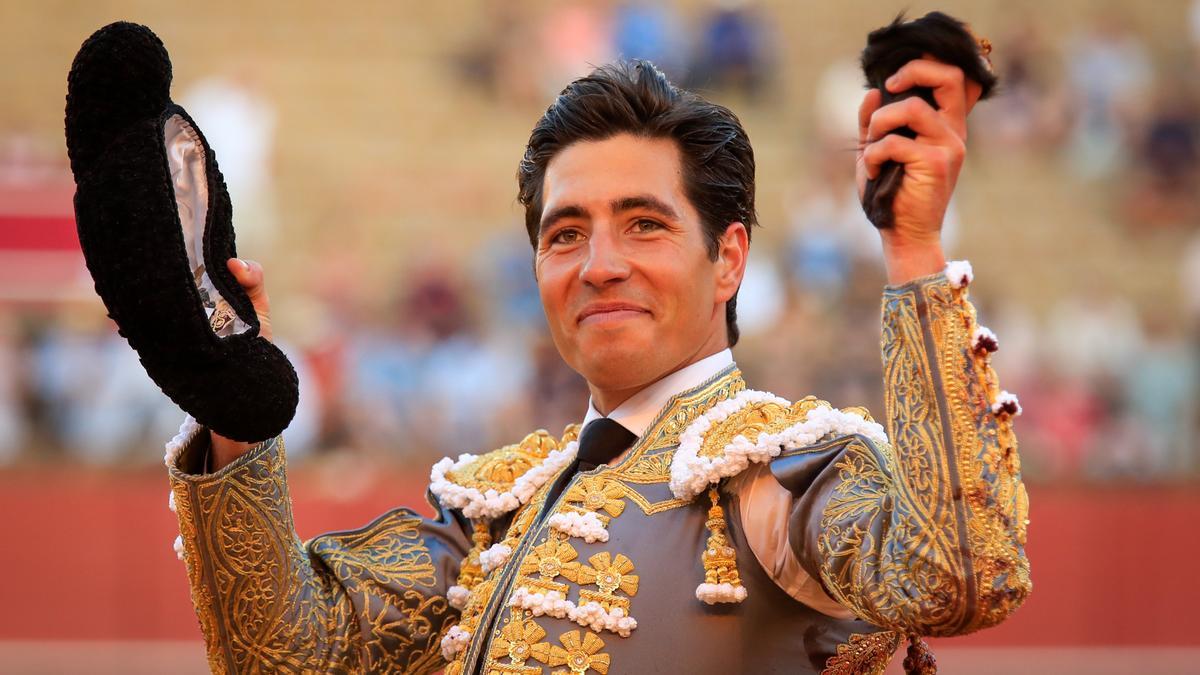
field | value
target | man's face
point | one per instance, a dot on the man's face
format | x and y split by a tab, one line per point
624	274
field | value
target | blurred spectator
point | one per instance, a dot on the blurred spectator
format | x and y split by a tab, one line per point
1110	74
1189	273
1093	334
733	50
100	404
576	37
650	31
501	58
1161	391
1166	168
435	384
13	432
1027	111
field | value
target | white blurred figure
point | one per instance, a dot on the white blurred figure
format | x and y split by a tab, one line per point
239	124
762	297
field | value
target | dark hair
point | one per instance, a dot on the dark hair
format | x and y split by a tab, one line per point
636	98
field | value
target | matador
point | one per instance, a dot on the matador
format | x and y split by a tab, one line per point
689	523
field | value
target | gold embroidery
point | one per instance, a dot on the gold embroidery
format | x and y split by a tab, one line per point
483	594
863	654
264	605
580	652
610	575
890	548
519	640
470	573
750	421
597	493
650	508
498	469
551	559
649	469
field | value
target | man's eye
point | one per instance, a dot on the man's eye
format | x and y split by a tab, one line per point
565	237
645	225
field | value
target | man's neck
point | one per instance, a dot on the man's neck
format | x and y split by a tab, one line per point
607	400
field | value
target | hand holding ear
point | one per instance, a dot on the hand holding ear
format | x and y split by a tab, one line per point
932	161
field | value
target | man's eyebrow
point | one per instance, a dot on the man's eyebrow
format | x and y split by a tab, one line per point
648	202
557	214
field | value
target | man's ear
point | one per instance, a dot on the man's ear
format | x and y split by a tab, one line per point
733	248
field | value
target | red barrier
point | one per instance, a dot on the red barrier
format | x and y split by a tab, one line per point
87	556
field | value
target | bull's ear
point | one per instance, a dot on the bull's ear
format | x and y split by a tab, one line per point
121	75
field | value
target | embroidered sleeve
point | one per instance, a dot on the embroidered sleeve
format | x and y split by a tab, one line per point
366	600
923	534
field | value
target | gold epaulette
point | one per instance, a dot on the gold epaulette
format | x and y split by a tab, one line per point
499	469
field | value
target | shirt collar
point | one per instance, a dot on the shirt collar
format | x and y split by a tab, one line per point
639	411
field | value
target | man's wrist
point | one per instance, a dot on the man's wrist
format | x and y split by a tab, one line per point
907	260
224	451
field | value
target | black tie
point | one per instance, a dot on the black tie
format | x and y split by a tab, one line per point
602	440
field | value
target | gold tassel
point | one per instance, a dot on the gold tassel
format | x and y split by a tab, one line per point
721	580
919	660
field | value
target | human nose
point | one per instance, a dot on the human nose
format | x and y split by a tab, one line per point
605	262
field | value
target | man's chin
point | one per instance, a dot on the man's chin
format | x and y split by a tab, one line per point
617	364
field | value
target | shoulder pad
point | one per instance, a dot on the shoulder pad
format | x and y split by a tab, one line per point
497	482
754	427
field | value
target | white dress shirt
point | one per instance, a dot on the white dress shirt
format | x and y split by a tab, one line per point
763	503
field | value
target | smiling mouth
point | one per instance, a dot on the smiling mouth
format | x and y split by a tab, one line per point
610	315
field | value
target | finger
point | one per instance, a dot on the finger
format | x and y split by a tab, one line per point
947	82
901	150
869	105
249	275
915	114
974	91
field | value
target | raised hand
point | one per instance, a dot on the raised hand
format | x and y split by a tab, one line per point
932	160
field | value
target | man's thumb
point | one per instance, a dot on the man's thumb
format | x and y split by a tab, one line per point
248	274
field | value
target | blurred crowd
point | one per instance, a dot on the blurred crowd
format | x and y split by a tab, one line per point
461	361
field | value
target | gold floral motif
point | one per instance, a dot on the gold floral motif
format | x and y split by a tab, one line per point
863	654
597	493
580	652
609	574
520	640
551	559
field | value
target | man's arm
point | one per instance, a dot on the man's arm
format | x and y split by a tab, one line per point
926	534
366	600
